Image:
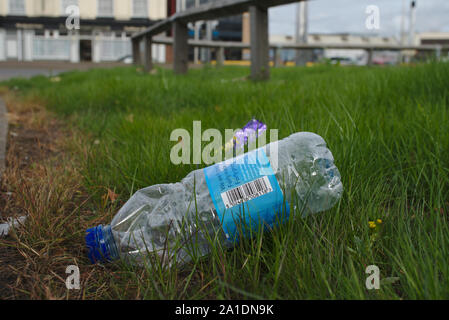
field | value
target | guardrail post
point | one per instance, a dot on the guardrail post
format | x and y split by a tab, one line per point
259	43
148	58
277	56
438	52
136	51
275	53
370	57
180	47
220	56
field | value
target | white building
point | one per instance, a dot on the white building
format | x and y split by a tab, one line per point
432	38
36	29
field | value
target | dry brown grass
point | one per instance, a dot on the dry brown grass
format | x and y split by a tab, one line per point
42	181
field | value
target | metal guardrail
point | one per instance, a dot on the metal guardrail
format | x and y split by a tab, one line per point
209	11
259	44
258	10
242	45
221	45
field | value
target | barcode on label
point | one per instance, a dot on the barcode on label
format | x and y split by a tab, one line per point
246	192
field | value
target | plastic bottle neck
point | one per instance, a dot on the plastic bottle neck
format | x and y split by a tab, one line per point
101	244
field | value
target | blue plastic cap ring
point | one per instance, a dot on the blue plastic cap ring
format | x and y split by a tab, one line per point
97	246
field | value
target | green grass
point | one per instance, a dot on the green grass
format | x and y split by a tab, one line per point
388	129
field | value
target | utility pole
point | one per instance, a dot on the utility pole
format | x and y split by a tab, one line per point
301	32
411	28
411	36
402	32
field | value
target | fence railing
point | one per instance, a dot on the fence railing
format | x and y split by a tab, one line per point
212	10
114	49
51	49
259	45
219	46
242	45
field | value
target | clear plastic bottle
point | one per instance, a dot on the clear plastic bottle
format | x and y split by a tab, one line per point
174	222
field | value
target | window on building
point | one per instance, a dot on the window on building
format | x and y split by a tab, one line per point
105	8
190	4
66	3
140	8
17	7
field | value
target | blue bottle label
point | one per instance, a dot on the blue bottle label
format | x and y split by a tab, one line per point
246	193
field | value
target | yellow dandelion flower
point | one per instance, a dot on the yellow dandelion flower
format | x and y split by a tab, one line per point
379	221
372	224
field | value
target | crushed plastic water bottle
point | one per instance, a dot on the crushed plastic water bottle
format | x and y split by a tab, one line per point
209	206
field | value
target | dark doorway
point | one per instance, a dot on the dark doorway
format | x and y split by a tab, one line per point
86	50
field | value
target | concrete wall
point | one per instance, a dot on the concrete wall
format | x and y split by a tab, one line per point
3	8
43	8
2	44
88	9
123	9
158	9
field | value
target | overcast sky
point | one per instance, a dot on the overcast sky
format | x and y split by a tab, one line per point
338	16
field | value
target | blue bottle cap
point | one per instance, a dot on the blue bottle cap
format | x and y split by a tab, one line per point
100	244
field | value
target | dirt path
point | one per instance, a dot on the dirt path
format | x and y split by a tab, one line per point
3	135
30	139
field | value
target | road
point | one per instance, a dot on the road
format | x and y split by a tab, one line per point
15	69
